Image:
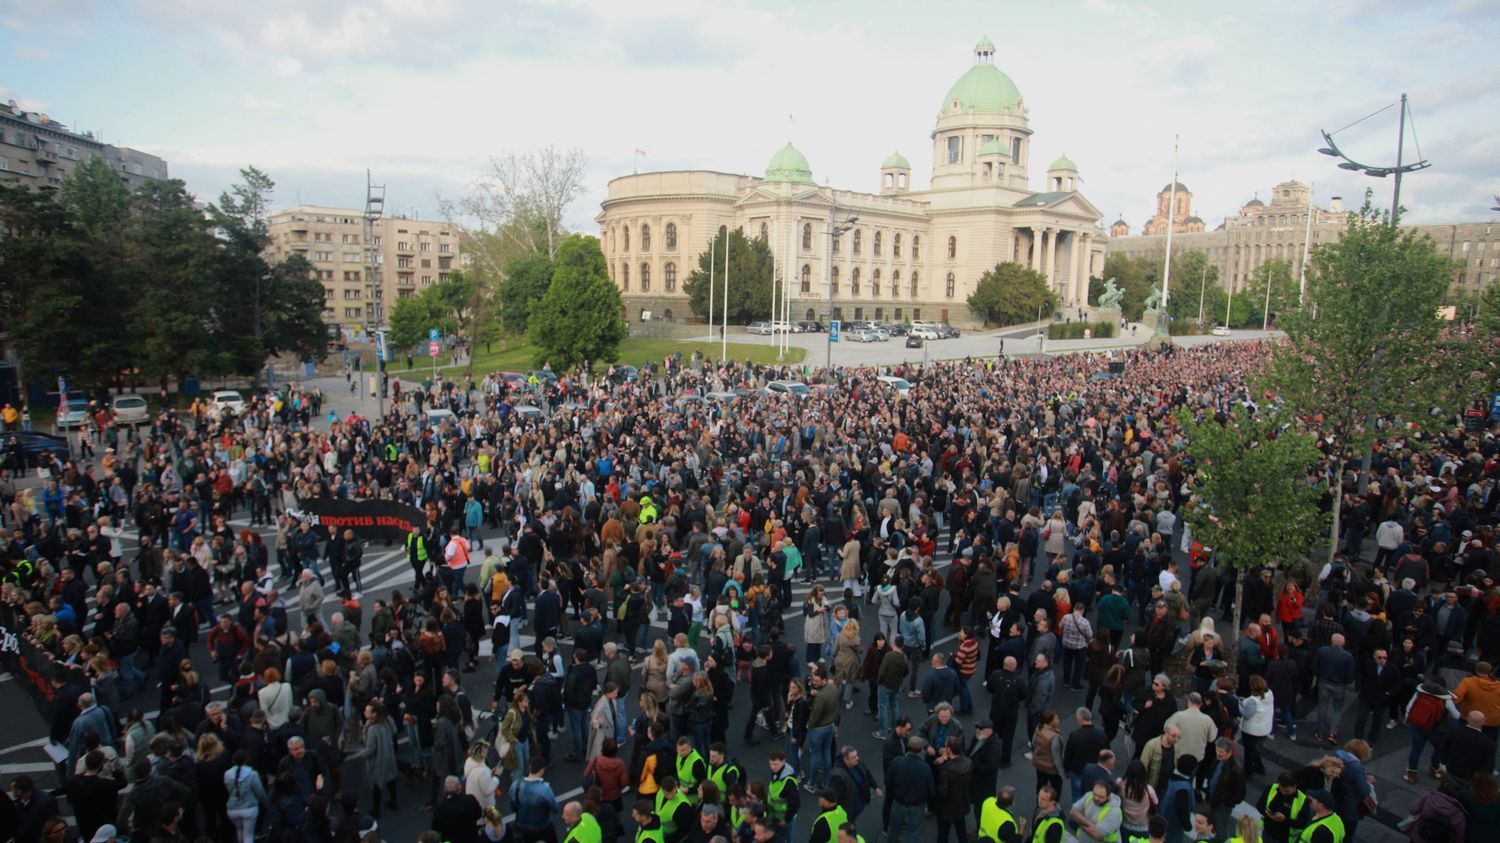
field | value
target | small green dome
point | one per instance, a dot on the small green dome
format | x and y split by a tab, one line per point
1063	163
983	89
789	165
896	161
993	146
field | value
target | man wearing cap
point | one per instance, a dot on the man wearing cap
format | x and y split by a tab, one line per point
105	834
831	816
985	752
1325	826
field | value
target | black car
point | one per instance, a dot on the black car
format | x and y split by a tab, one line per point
811	327
913	341
32	446
949	332
898	330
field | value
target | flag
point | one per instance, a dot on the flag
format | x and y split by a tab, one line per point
640	152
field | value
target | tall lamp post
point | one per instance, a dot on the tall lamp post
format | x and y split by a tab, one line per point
1379	172
835	229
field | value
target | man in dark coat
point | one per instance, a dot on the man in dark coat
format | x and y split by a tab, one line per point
986	753
456	818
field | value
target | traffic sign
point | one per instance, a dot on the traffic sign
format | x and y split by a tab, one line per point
433	334
833	330
434	348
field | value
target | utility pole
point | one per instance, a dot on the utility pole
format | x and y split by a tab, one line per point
1166	274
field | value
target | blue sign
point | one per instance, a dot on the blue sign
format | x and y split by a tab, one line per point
381	351
433	334
833	330
1495	406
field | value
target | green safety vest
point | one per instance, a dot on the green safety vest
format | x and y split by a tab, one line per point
665	810
420	544
717	774
992	818
391	452
736	817
1297	802
685	781
776	803
1039	834
654	835
1332	822
587	831
1113	838
835	817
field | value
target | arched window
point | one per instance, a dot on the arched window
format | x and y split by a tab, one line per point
895	283
952	247
854	281
914	273
896	246
671	236
625	276
875	281
765	233
877	244
669	276
806	278
836	240
645	238
625	239
667	314
835	281
950	285
916	246
812	315
645	277
807	237
857	239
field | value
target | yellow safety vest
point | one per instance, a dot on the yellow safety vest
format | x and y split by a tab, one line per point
587	831
1297	802
664	811
1334	824
992	818
685	763
654	835
421	546
1039	834
717	774
835	817
776	803
1113	838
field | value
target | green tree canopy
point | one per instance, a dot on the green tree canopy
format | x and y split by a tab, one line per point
580	316
1195	289
1277	274
751	269
1011	293
1367	344
1135	277
526	281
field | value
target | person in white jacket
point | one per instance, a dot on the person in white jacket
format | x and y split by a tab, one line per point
1388	536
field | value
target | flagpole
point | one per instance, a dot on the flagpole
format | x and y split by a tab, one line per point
712	253
1306	246
1166	274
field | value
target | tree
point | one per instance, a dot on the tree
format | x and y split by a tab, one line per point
170	262
750	269
1253	502
526	281
1366	345
1195	289
580	317
1011	293
1276	273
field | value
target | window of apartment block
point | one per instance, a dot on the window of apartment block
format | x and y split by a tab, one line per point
806	278
671	236
807	237
424	246
427	263
949	285
645	242
426	279
916	246
876	246
645	267
857	238
835	281
896	246
875	283
445	248
669	275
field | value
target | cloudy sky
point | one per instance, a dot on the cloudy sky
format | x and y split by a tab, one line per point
424	91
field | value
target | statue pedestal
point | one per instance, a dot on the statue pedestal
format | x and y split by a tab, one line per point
1107	314
1152	319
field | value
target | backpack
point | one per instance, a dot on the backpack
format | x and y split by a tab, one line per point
1426	711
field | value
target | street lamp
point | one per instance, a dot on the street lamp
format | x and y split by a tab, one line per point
1379	172
835	229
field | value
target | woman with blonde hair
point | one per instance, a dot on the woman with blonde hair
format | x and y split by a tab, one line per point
847	660
213	763
479	779
654	672
1247	829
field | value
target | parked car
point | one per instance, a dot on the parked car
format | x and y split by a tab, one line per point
546	376
796	388
130	410
720	397
1220	331
881	334
224	401
762	328
860	335
927	332
438	415
781	326
900	385
527	412
626	374
812	327
898	330
33	445
914	341
75	418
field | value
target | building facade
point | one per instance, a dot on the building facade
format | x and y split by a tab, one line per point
364	270
911	254
1280	230
1173	208
39	153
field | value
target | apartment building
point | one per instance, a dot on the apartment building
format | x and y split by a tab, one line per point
38	153
364	271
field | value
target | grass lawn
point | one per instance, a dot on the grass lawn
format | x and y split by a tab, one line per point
517	355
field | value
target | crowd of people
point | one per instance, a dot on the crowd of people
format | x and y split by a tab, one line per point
1035	509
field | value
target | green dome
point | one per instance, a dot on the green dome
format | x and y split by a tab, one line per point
993	146
789	165
896	161
1063	163
981	90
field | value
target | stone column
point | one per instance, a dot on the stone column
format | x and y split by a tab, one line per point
1073	270
1052	257
1033	249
